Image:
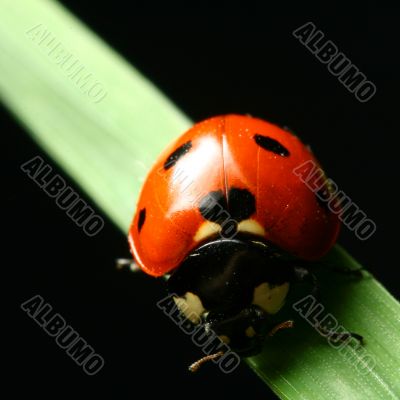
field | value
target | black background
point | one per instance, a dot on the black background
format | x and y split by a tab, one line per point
209	60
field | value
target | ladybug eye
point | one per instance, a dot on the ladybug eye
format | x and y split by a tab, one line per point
270	144
177	154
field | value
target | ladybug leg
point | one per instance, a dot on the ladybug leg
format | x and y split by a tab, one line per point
122	263
355	273
304	275
340	337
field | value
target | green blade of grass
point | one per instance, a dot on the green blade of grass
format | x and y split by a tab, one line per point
106	141
46	57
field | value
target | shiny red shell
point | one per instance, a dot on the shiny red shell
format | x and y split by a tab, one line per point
223	154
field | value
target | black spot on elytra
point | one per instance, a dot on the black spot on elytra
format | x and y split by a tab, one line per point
214	206
177	154
270	144
241	203
142	218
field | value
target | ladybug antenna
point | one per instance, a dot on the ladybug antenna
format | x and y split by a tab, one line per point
197	364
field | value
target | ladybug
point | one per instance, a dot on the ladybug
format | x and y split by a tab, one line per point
224	218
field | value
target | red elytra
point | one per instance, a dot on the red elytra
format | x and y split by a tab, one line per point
218	154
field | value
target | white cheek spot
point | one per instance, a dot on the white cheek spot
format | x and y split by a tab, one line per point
206	230
250	332
270	299
251	226
190	306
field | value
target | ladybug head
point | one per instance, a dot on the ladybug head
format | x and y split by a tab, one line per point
232	287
